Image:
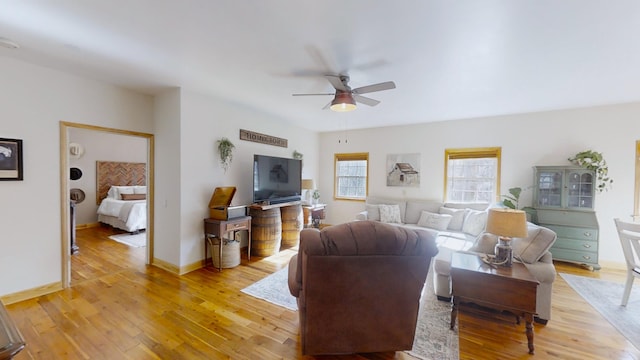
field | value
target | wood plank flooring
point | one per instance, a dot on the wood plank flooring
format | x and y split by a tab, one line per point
118	308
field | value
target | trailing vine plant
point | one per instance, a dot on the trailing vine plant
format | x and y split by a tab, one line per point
225	149
593	160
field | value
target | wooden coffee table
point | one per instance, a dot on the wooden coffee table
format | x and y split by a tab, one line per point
502	288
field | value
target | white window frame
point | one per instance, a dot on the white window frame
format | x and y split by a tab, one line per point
350	157
472	153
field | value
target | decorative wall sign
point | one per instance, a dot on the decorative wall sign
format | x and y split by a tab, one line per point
262	138
11	159
403	170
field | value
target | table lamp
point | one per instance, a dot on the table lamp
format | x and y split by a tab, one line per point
308	185
507	224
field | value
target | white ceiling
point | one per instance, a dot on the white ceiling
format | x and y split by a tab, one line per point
449	59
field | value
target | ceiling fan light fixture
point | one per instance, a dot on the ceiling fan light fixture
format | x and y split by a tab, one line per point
343	102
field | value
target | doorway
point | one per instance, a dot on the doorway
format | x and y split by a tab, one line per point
65	185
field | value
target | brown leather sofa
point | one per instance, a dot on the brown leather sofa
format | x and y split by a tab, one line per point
358	286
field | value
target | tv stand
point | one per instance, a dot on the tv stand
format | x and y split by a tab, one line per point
268	206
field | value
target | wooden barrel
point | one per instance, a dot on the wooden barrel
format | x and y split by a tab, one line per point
292	223
266	231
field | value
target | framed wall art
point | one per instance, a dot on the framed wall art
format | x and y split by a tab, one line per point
403	170
10	159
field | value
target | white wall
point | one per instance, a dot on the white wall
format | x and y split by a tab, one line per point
167	205
34	101
100	146
205	120
527	140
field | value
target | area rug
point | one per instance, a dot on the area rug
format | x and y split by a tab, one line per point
433	339
137	240
605	296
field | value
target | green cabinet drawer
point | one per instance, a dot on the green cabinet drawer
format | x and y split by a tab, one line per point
582	257
574	232
573	244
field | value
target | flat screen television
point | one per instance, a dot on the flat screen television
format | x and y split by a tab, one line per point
276	180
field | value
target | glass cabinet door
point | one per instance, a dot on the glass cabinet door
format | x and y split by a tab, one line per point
549	188
579	189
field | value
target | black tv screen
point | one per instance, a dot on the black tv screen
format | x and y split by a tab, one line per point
276	180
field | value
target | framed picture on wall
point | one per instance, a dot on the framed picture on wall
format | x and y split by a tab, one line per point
403	170
10	159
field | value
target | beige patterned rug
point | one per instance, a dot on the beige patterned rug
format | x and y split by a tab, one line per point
605	297
433	338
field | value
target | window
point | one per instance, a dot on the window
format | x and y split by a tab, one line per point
472	175
351	176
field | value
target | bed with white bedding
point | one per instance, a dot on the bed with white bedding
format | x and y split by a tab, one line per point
125	207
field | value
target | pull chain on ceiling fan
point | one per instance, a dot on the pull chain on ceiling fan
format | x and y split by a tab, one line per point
345	98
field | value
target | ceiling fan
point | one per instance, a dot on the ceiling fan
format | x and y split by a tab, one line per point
345	98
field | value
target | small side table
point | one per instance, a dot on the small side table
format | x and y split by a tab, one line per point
313	214
504	288
216	229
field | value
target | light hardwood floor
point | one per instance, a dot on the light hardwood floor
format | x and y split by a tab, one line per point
118	308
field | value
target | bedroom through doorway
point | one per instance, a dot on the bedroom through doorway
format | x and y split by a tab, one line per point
106	201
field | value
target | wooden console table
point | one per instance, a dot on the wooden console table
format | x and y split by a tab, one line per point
313	214
503	288
214	230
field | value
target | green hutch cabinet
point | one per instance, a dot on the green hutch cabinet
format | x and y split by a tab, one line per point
564	199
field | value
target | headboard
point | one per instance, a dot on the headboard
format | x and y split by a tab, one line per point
110	173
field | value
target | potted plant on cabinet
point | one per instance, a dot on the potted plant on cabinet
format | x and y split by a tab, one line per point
594	160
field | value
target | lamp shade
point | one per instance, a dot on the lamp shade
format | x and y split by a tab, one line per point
308	184
507	222
343	102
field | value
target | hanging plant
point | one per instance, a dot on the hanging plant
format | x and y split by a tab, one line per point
593	160
225	149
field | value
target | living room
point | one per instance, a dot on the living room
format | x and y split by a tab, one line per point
186	122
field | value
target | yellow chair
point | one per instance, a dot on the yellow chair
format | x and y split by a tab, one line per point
629	234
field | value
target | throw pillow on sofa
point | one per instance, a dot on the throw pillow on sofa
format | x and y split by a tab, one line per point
434	221
538	241
474	222
390	214
457	217
373	212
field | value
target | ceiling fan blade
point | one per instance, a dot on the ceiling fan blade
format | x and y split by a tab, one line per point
336	82
375	87
365	100
328	105
313	94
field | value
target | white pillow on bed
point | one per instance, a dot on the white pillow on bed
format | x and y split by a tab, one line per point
116	191
139	189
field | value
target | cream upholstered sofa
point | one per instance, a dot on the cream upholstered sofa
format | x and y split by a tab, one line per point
461	227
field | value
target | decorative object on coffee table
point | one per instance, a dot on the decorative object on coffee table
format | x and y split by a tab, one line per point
507	224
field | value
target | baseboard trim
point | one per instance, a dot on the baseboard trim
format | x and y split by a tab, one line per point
165	266
87	226
31	293
191	267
